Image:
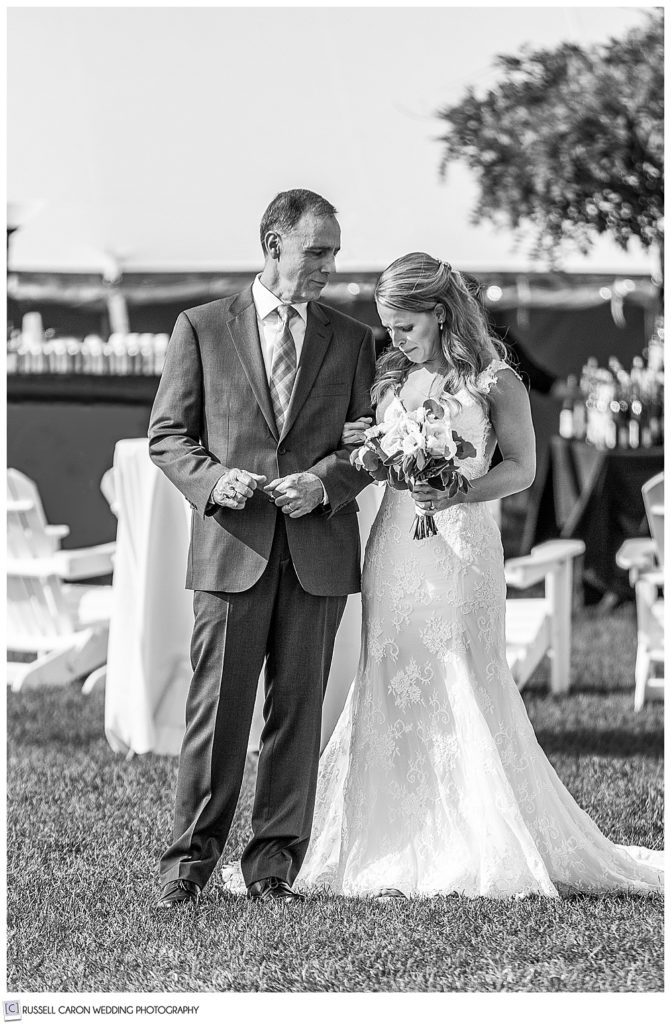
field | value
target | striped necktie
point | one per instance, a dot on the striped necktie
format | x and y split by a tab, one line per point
283	369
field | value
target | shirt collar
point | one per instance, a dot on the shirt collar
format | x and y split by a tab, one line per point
266	302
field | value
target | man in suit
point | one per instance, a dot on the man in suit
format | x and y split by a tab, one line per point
247	424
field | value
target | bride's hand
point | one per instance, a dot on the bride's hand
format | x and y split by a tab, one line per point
353	433
432	500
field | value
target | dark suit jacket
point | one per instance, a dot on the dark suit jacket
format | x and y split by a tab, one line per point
213	410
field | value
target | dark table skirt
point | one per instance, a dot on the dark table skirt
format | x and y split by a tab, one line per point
594	496
61	432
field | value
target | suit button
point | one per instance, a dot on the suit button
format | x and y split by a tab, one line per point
282	450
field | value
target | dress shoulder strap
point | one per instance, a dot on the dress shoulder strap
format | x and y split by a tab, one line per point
488	377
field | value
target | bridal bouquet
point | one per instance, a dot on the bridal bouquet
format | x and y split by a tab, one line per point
410	447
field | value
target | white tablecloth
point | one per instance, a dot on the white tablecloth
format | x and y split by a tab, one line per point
148	668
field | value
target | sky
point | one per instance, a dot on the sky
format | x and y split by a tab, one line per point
155	136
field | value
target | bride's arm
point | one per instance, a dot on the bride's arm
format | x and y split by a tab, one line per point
353	431
510	413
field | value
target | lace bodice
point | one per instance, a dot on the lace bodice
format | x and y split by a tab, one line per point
469	418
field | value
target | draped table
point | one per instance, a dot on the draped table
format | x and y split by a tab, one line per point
148	667
593	495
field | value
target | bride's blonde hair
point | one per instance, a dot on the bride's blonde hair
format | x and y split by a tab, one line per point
418	283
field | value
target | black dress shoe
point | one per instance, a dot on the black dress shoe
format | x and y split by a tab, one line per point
178	893
390	894
273	889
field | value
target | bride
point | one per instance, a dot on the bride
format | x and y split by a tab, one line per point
433	781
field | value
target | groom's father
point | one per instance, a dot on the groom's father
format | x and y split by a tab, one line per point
247	424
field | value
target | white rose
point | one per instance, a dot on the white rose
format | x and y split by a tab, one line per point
436	429
411	444
450	447
390	442
412	438
440	441
434	445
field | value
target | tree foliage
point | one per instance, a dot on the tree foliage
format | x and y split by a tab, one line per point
570	141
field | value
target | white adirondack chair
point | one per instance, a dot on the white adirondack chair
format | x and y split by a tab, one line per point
30	536
536	626
644	559
62	625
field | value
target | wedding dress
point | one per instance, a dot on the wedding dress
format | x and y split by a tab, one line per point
433	781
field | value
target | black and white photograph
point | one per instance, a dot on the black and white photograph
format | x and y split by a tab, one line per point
335	508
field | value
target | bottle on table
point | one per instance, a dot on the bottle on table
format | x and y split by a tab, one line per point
73	347
566	414
655	435
93	355
637	416
160	350
13	346
572	418
623	412
601	408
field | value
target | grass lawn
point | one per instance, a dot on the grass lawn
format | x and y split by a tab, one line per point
85	829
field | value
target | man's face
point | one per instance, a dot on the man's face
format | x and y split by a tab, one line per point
306	257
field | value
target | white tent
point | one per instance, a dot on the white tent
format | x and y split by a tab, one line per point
154	137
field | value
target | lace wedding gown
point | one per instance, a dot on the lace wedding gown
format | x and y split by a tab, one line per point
433	781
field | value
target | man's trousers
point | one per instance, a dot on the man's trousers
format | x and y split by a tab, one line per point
295	632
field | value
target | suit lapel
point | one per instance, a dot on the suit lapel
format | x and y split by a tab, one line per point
318	334
244	331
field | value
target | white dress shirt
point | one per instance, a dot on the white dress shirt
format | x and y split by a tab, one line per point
270	324
271	327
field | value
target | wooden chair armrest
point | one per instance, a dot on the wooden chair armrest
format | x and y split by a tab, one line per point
58	532
78	564
545	558
86	563
34	568
559	549
638	555
20	505
654	576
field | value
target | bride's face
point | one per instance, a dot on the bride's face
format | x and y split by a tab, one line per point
415	334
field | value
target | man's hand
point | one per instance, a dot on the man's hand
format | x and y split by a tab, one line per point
234	488
354	432
297	494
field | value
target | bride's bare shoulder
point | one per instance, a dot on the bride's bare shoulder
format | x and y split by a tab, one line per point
494	373
383	404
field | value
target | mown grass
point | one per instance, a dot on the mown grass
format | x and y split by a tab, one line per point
85	829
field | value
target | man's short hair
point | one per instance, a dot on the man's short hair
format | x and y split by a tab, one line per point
287	208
